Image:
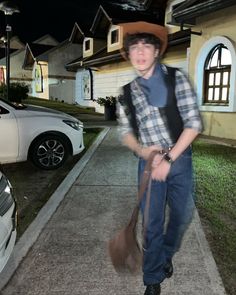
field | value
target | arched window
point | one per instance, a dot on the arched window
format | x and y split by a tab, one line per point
217	71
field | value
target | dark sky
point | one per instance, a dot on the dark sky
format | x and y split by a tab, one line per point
55	17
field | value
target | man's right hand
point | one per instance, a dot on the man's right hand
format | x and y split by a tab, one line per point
145	152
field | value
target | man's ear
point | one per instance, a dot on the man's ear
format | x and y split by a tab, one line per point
156	52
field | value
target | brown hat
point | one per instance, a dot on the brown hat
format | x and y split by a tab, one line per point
144	27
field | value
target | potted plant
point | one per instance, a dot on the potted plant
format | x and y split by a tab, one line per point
109	103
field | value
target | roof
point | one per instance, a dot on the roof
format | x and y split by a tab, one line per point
179	37
99	58
189	10
78	34
33	52
3	52
106	15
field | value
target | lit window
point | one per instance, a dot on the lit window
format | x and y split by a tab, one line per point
217	76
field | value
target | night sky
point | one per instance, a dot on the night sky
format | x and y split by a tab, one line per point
55	17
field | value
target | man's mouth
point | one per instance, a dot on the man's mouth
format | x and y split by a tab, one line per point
141	61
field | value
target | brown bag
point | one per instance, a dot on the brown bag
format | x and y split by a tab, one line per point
124	250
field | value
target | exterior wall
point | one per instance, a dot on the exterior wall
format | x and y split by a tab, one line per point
107	81
45	92
61	83
219	124
218	121
17	74
47	40
177	56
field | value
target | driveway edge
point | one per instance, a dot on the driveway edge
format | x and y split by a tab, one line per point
35	228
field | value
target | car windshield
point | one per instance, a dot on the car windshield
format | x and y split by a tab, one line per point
15	105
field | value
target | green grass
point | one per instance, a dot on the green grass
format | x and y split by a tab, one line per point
215	167
61	106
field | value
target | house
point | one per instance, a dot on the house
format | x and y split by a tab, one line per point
103	71
17	50
211	60
201	42
45	59
41	65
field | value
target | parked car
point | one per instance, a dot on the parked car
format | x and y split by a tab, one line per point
45	136
7	220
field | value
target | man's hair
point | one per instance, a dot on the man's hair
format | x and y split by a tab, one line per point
146	38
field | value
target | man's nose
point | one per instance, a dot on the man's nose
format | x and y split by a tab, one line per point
140	49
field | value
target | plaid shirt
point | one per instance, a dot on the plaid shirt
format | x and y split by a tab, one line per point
153	127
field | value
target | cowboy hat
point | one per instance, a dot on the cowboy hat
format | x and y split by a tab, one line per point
144	27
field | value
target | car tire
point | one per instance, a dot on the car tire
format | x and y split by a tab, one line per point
49	152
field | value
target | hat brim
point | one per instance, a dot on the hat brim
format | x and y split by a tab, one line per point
144	27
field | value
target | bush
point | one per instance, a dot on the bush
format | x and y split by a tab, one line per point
17	91
106	101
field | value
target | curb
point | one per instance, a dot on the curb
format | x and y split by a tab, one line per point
31	234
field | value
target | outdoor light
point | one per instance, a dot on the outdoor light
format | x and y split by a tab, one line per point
8	8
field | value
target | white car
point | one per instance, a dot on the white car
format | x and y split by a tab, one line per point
45	136
7	221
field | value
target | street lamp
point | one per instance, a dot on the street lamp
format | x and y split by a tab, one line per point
8	8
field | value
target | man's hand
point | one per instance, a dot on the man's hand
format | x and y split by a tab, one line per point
161	170
145	152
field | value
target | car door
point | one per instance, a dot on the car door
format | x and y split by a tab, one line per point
8	135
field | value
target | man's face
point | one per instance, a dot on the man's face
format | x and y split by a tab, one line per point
143	57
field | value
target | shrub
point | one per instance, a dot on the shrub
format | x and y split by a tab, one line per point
106	101
17	91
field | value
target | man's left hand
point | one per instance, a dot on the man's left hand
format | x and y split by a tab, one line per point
161	171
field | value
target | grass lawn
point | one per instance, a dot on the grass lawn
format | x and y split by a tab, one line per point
71	109
215	167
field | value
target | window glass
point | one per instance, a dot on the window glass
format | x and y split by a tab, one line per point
214	60
217	94
87	45
114	36
210	93
211	79
226	57
217	76
225	78
224	93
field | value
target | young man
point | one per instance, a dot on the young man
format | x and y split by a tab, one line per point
158	111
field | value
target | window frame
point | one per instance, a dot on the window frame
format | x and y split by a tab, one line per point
219	69
112	46
87	48
199	75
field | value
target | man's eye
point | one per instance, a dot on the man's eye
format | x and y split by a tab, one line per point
133	47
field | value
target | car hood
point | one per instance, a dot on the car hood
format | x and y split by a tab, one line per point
32	110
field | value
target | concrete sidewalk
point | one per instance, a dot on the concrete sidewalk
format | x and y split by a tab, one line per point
69	255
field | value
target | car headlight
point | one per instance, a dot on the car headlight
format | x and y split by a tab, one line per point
76	125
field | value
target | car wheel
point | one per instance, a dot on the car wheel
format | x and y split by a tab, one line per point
49	152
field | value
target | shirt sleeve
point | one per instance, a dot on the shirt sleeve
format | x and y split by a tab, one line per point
123	121
187	103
